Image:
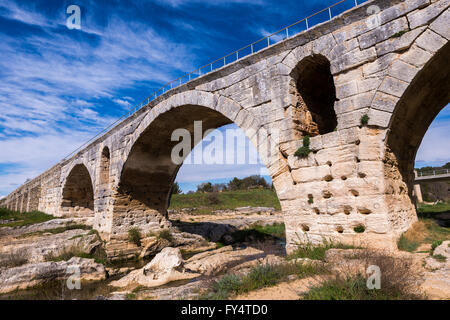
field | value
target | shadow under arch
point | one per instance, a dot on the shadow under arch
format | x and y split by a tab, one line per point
426	96
78	193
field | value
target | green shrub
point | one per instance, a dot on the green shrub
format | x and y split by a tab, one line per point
23	218
134	236
359	228
365	119
310	199
303	151
165	234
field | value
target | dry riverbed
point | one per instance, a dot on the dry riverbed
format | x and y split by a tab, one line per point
233	254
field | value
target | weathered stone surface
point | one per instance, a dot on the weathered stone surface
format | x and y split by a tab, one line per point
216	261
165	267
39	248
30	275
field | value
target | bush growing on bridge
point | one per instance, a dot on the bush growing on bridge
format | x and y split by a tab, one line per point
365	119
303	151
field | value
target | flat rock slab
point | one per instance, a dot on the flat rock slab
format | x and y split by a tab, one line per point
30	275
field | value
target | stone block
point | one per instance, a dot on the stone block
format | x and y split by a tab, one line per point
422	17
440	25
382	33
431	41
398	44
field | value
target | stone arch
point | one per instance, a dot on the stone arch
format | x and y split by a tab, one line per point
104	174
421	100
78	192
148	173
313	93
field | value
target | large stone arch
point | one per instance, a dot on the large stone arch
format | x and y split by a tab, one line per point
148	172
77	195
423	96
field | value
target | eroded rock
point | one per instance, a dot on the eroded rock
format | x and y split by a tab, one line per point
165	267
30	275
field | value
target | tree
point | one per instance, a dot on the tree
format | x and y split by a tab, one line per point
176	189
205	187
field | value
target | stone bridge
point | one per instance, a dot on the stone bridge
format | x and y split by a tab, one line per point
356	184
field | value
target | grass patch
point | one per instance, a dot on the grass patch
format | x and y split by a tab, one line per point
316	252
99	255
398	281
24	218
406	244
13	259
425	230
259	277
134	236
427	210
58	230
226	200
165	234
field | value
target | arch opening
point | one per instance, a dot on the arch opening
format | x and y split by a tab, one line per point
78	193
425	97
147	179
314	95
149	172
104	166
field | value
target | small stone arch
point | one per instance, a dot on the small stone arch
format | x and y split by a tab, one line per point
313	95
147	175
78	192
104	174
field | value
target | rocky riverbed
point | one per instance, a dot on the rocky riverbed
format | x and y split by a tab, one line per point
37	261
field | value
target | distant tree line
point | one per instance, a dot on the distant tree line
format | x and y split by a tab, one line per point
251	182
425	169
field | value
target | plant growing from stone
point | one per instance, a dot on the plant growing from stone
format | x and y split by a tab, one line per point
365	119
134	236
303	151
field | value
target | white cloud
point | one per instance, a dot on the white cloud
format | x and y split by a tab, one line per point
435	146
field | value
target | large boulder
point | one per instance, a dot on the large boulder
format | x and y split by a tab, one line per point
216	261
30	275
165	267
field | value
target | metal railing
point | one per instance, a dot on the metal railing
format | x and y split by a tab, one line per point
436	172
222	62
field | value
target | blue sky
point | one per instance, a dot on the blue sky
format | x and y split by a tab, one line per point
59	87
